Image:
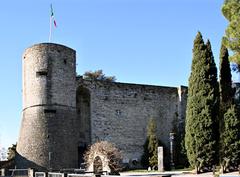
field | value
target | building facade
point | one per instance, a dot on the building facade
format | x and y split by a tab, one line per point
63	114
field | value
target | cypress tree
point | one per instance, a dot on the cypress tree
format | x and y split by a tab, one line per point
226	91
215	100
229	116
153	143
230	146
202	106
226	94
145	156
149	157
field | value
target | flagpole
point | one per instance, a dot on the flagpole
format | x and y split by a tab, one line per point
52	20
50	30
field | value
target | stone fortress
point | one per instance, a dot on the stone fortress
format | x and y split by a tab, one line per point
63	114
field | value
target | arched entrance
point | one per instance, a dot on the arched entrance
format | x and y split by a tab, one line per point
83	101
97	165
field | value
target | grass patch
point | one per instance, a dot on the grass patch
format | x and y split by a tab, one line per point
146	171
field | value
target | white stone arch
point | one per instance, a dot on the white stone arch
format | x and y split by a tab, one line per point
105	162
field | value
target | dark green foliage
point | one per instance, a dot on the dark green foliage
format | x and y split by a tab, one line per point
226	97
150	157
226	91
214	97
98	75
181	160
231	39
153	143
202	107
145	156
180	156
230	152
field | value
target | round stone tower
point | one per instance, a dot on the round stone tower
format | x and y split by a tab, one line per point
47	135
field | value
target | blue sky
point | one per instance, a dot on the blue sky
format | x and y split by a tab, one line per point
138	41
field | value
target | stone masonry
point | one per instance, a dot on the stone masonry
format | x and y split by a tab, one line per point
47	135
119	113
63	114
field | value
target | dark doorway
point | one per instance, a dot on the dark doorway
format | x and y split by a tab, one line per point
97	165
84	115
83	101
81	151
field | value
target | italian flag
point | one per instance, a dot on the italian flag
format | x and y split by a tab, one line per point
52	17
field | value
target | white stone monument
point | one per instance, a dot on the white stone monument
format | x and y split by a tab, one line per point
160	159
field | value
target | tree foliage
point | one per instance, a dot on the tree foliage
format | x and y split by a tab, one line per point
202	107
3	154
98	75
108	151
226	91
145	156
230	151
153	143
150	157
229	117
7	157
226	94
12	152
231	11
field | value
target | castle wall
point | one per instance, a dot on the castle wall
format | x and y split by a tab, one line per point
61	117
47	132
84	116
120	113
48	72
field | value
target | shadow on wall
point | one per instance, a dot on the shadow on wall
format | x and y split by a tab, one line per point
23	163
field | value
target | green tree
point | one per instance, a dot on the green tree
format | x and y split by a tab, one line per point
231	11
145	156
226	97
226	91
230	151
98	75
150	157
153	143
202	107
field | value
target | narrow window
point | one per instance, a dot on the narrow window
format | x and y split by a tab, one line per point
42	73
50	111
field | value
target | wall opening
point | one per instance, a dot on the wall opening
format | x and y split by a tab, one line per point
84	120
81	149
97	165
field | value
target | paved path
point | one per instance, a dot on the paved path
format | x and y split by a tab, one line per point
235	174
175	174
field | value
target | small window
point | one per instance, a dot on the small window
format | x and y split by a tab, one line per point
135	95
65	61
42	73
50	111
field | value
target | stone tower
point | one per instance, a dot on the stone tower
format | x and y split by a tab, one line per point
48	130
